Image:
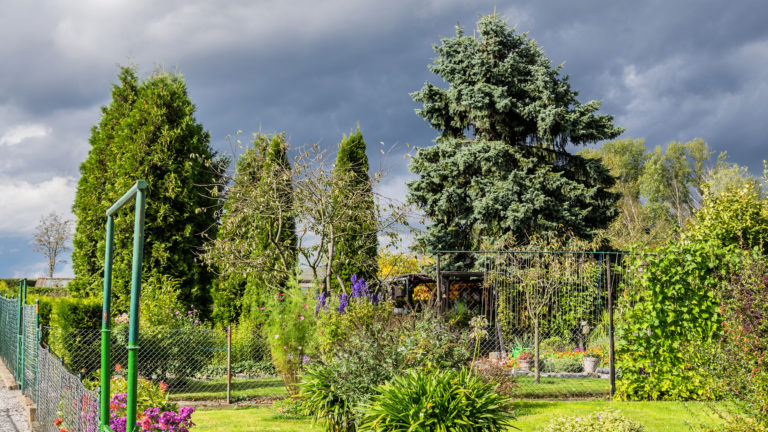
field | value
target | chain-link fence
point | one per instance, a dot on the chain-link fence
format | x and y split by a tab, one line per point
554	307
62	400
9	337
193	362
31	348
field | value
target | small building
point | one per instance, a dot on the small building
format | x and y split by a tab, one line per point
46	282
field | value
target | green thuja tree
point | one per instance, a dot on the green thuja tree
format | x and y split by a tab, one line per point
256	247
499	164
356	244
148	132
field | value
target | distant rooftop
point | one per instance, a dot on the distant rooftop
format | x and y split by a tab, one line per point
52	282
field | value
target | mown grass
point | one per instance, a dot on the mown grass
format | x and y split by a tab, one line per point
242	389
561	388
531	416
248	389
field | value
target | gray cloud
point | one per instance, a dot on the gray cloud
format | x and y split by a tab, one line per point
667	70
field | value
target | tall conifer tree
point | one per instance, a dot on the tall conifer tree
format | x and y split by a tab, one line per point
147	132
356	247
500	165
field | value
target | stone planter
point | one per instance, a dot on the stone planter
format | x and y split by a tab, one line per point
590	364
525	365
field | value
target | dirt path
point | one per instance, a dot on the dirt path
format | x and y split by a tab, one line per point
13	416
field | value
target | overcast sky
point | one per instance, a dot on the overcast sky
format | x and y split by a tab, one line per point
668	70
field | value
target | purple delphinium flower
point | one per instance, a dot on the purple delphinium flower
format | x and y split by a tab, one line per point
306	359
343	302
359	287
374	298
320	302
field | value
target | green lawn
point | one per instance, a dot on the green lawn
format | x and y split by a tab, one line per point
561	388
242	389
531	416
249	389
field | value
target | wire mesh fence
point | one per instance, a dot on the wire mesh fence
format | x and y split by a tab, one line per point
31	348
9	337
549	317
192	362
63	401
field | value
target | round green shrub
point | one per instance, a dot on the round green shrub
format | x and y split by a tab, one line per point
607	420
563	365
437	400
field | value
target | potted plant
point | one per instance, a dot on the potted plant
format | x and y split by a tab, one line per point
399	306
591	359
525	361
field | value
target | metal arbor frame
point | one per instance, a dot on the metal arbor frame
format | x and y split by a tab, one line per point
139	191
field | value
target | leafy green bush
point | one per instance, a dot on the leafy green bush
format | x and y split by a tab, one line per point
607	420
335	323
290	327
554	344
659	349
373	353
741	362
148	394
496	373
562	365
437	400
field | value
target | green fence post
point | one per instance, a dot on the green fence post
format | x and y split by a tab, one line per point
21	330
20	341
133	330
37	351
106	343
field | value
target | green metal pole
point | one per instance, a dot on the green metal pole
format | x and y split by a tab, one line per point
133	331
21	330
20	336
37	351
106	347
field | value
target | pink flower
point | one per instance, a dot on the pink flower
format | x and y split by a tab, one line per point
277	336
301	317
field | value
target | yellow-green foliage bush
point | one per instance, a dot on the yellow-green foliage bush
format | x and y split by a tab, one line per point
599	421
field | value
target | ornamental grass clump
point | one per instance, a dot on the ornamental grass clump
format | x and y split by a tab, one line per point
437	400
607	420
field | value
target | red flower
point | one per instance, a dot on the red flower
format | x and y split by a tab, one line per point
118	367
57	422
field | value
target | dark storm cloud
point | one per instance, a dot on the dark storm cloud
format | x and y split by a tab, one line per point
666	70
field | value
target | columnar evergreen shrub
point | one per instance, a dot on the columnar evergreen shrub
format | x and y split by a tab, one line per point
68	339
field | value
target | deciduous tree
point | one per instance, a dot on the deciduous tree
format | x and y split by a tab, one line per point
52	237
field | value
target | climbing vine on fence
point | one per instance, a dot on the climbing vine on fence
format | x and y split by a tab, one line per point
662	340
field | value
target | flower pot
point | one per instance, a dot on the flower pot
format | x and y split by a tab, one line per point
525	364
590	364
